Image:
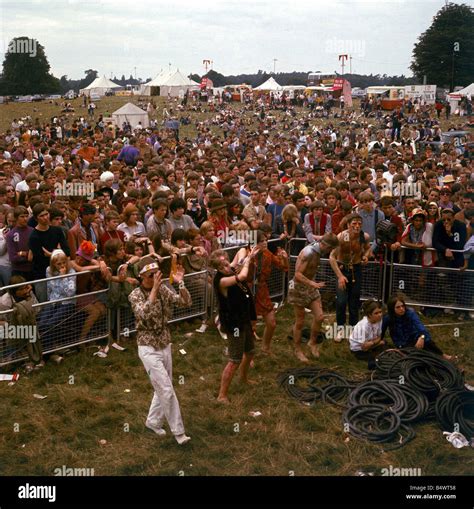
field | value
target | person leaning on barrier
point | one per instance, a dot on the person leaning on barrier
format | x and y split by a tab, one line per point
449	235
20	301
152	306
417	238
52	316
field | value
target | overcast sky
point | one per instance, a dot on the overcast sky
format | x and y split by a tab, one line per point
115	36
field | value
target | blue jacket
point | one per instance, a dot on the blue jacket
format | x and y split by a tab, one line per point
405	329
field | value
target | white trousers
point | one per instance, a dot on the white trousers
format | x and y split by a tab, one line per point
159	366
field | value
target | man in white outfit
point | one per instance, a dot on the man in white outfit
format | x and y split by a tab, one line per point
151	305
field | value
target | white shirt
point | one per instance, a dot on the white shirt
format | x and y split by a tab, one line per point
23	186
364	331
26	162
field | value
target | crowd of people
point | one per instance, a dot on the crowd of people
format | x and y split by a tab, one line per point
87	201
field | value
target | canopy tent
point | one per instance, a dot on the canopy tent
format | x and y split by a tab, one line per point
455	97
157	81
177	85
100	86
269	86
172	82
132	114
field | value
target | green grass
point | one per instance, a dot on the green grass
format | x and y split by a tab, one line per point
66	428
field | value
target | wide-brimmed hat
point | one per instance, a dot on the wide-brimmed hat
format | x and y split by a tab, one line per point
217	205
449	179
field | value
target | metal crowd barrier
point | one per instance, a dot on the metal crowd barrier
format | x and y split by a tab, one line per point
61	323
436	287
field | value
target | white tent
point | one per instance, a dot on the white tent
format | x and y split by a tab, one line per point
177	85
270	86
157	81
100	86
132	114
455	97
467	91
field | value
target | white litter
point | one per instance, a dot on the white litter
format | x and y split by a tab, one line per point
255	414
39	396
457	439
182	351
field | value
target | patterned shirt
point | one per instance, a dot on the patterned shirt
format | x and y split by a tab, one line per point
152	318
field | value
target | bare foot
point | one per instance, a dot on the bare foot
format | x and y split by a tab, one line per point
301	356
252	364
266	351
314	349
223	400
248	381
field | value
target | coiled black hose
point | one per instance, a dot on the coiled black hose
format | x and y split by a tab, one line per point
409	404
377	424
455	412
405	390
425	371
311	384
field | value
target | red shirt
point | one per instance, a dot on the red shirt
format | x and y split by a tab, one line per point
117	234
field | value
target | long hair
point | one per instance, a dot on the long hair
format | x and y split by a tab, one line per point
391	303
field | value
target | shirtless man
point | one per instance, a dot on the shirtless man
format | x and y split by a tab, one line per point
346	262
304	292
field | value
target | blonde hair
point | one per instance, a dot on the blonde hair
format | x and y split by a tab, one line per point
206	226
289	212
56	256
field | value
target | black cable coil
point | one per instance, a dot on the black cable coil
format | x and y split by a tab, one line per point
455	412
409	385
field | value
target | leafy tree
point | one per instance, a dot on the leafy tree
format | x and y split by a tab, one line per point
445	52
91	75
26	69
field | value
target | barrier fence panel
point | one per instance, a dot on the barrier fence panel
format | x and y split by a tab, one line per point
60	324
372	278
436	287
277	280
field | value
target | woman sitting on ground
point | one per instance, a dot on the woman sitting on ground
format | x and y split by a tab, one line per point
406	329
366	339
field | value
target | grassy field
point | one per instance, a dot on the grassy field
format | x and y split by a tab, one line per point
45	110
38	436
